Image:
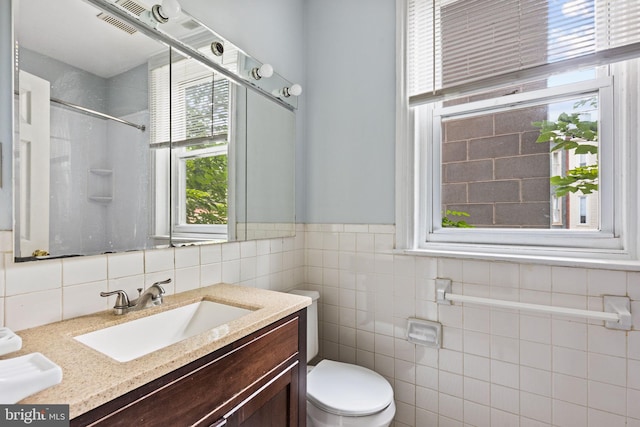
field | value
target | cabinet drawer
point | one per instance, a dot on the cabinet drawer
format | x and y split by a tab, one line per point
202	394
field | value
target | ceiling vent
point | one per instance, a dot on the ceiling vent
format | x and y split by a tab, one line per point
117	23
130	5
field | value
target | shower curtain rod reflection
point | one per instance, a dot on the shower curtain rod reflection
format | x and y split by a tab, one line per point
94	113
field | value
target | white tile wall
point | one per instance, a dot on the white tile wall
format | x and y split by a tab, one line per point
21	278
125	264
210	254
497	367
78	300
535	380
566	414
36	293
187	279
33	309
570	389
80	270
159	260
187	256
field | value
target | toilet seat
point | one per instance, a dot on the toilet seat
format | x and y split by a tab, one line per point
347	390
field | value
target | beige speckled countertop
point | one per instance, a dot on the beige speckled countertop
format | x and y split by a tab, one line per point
90	378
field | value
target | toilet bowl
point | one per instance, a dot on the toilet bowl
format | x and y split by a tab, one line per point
343	394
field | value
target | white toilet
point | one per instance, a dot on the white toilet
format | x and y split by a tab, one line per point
342	394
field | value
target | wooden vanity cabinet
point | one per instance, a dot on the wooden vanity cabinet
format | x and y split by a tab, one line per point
257	381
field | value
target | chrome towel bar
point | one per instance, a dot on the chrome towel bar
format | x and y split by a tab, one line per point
617	314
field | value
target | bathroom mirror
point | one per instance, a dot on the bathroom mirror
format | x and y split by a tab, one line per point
123	143
268	157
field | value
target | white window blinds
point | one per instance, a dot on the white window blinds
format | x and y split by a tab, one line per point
188	101
159	104
461	45
199	104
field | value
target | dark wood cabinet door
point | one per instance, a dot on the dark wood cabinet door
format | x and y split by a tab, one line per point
273	405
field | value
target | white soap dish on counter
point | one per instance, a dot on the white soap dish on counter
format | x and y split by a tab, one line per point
24	375
9	341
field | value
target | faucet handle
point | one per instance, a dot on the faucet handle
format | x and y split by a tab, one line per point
122	301
157	299
160	288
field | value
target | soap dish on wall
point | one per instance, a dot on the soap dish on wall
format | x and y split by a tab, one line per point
24	375
424	332
9	341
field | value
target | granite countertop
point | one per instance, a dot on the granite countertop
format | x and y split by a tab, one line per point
90	378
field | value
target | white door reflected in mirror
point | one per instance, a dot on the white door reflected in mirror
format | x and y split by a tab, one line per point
34	149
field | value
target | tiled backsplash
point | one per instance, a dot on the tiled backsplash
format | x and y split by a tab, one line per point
36	293
497	367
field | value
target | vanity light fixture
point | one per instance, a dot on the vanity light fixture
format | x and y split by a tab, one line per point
167	10
265	70
293	90
217	48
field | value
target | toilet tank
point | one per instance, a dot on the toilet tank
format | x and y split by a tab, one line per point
312	321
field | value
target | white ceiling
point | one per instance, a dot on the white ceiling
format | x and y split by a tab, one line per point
69	31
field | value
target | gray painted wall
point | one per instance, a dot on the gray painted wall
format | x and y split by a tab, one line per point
350	116
67	82
128	92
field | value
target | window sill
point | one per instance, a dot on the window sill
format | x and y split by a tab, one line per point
561	257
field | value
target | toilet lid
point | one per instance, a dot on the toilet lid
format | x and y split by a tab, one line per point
345	389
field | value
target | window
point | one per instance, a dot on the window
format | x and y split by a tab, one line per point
520	133
583	209
201	161
496	169
192	132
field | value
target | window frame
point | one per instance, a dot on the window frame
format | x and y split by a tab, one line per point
411	209
169	178
429	152
180	226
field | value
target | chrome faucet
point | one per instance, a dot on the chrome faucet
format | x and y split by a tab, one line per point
149	298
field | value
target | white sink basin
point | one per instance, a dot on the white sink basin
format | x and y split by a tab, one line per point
130	340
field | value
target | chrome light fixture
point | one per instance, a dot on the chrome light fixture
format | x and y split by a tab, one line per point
265	70
162	13
293	90
217	48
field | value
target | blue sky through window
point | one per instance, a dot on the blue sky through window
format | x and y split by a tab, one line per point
572	24
571	29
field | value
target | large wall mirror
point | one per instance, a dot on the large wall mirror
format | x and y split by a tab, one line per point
123	142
